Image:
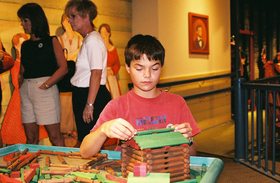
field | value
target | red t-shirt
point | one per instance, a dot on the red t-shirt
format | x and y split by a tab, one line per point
149	113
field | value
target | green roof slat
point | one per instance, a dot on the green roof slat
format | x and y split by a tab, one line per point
162	130
160	140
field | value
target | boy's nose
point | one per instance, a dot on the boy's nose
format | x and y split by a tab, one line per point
147	73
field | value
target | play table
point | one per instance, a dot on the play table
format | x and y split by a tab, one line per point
203	169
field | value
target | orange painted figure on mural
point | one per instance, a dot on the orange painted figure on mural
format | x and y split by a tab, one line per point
113	62
6	62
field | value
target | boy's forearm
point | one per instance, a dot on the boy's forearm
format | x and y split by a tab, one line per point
92	143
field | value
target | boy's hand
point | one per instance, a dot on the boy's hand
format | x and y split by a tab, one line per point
118	128
184	128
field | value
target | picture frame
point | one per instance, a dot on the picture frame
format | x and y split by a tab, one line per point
198	33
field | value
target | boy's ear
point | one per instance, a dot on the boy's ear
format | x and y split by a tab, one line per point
127	68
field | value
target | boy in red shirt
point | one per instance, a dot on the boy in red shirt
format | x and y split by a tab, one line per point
145	106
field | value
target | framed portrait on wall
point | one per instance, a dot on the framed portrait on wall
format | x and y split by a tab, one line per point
198	34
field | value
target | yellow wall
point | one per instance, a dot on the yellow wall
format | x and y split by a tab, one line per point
168	21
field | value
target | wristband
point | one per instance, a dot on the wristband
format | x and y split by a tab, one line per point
46	85
89	104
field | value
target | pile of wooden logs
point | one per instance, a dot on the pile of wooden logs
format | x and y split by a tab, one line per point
25	167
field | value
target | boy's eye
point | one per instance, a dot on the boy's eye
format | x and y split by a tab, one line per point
155	68
138	68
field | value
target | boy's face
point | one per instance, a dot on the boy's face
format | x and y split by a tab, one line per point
145	75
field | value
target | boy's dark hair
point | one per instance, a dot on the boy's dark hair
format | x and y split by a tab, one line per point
83	7
39	22
144	44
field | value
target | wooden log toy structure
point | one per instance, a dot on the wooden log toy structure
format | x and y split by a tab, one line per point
163	151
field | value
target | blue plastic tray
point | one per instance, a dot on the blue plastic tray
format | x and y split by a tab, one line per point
214	165
214	168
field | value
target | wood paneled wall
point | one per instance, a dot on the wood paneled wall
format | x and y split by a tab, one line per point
117	13
210	110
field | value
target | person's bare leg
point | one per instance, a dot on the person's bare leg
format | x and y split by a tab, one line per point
55	135
31	132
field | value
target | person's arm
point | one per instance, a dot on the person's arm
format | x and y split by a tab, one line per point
116	128
61	63
94	86
92	143
20	75
6	61
96	56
